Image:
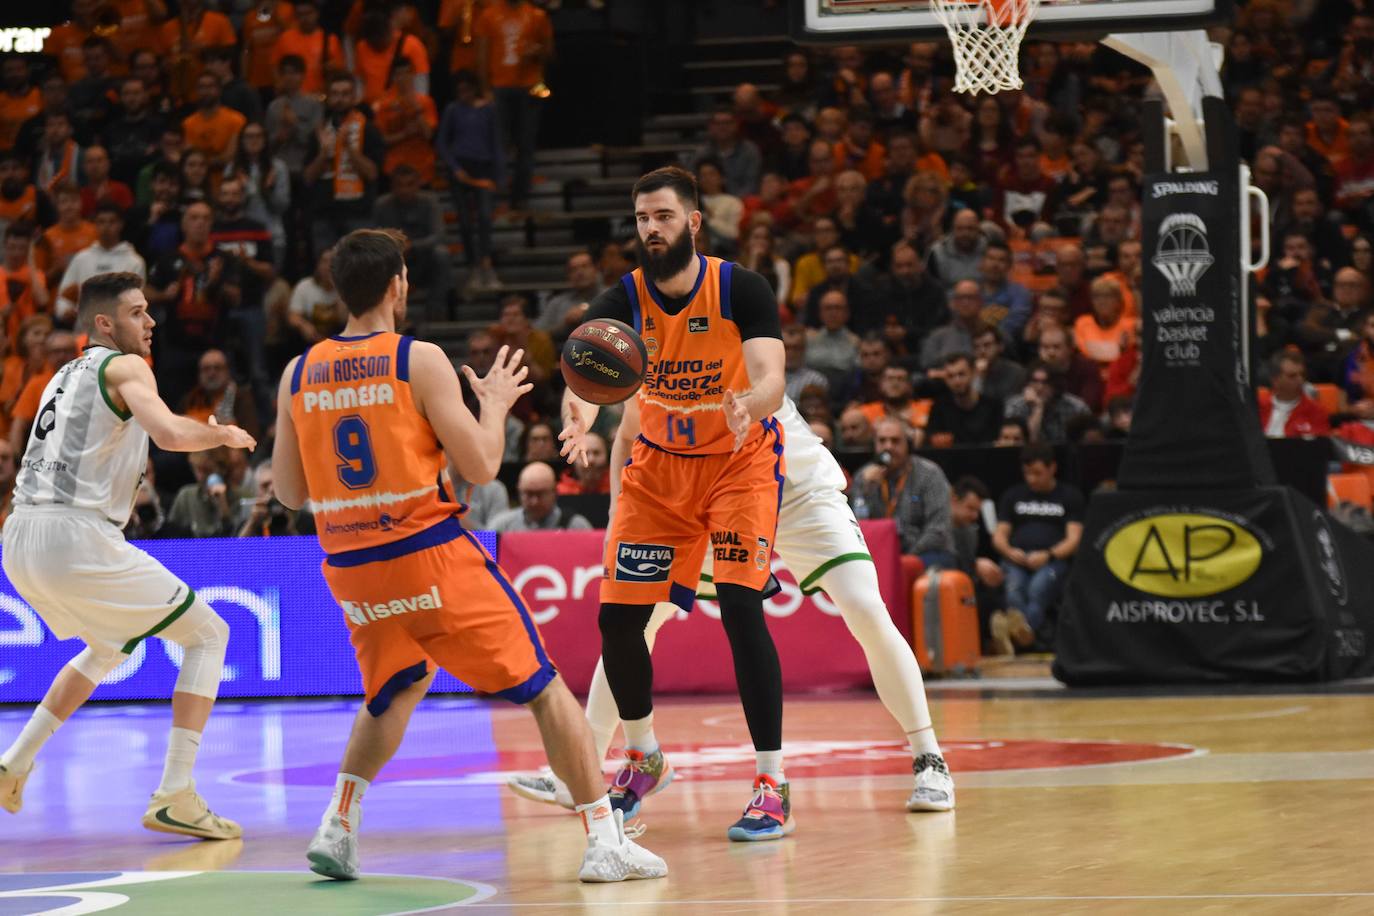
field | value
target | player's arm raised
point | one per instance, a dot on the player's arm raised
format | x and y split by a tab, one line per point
474	445
131	383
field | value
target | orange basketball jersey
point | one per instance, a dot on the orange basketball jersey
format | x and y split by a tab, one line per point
695	356
372	462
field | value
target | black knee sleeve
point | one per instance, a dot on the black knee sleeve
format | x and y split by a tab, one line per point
625	657
757	671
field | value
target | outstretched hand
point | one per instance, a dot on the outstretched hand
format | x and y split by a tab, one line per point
504	383
737	417
234	437
574	435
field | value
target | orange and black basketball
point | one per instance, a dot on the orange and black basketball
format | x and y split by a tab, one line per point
603	361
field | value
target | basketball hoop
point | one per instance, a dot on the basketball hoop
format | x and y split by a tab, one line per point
986	35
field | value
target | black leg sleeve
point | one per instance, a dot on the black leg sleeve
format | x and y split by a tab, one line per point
625	656
757	671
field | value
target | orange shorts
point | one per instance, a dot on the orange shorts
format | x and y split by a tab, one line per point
673	507
445	603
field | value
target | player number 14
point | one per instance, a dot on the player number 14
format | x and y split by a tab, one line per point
682	430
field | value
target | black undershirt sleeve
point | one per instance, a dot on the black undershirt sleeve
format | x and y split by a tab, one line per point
613	303
754	305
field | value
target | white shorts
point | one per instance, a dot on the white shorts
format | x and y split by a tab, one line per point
76	570
817	531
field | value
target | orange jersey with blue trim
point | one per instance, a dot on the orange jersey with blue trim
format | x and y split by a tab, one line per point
695	356
372	462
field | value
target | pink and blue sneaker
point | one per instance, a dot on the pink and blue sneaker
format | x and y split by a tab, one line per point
768	816
640	776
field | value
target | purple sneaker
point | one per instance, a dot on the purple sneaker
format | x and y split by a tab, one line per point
768	816
639	777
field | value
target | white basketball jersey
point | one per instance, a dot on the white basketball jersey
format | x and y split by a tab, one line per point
83	452
810	466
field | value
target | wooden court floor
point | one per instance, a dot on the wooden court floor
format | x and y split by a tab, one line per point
1066	804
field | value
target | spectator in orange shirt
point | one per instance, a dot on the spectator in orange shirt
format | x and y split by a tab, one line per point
23	281
458	24
136	27
514	41
60	349
64	43
1326	132
858	149
407	120
184	37
233	92
26	360
1103	335
318	50
381	46
212	128
99	186
263	26
19	101
68	235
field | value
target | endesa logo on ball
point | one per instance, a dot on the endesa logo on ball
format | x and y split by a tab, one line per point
1183	554
643	562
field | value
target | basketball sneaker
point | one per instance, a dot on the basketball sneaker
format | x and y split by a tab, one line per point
541	787
768	816
640	776
626	861
934	789
185	812
334	850
12	788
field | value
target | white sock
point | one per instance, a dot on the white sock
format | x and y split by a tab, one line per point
923	741
182	747
639	734
599	822
40	727
853	587
770	765
348	797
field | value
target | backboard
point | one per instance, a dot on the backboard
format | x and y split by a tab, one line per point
895	21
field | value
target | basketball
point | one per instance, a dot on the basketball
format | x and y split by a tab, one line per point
603	361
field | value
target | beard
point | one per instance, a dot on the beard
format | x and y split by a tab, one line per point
671	262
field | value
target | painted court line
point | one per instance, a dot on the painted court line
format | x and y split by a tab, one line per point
1009	898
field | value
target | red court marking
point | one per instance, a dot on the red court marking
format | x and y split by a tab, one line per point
804	759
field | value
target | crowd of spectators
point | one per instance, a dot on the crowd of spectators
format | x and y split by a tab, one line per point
951	270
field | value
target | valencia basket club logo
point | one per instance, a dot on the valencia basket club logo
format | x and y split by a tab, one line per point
1183	254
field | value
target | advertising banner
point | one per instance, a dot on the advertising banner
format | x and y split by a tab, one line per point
287	637
1194	423
1194	586
559	574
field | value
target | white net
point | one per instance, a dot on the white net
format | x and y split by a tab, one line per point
986	35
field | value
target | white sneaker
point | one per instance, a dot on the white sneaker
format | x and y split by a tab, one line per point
627	861
184	812
934	789
334	850
12	788
543	787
